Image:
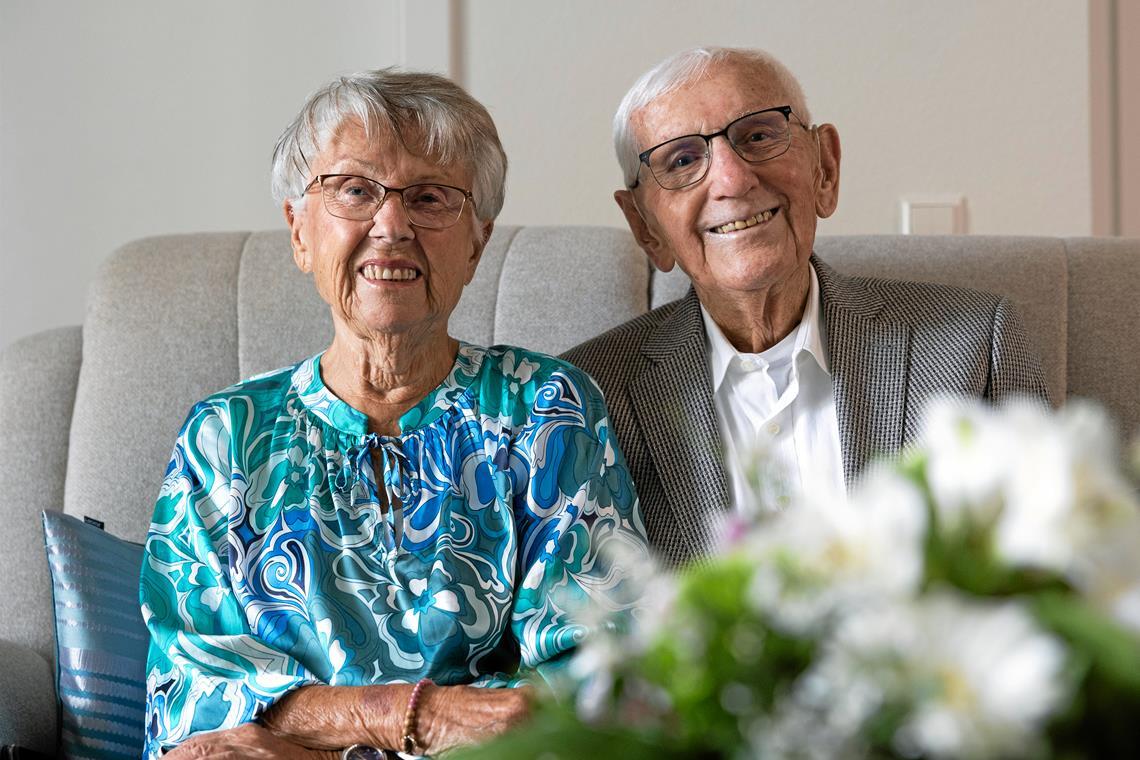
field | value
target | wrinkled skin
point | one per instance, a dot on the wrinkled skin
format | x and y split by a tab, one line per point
390	344
333	249
318	721
247	742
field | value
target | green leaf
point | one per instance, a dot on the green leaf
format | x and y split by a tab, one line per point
555	734
720	648
1113	652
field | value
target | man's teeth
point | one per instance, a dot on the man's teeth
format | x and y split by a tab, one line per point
373	272
740	224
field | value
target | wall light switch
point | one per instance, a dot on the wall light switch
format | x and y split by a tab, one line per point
934	215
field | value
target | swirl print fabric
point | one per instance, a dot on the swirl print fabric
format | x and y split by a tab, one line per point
271	565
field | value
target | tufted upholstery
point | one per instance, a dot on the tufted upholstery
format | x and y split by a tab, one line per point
91	413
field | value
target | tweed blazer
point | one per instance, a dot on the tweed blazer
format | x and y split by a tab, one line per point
892	346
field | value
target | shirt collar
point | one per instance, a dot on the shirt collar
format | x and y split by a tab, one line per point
807	336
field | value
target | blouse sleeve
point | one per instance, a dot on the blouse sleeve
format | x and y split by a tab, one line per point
577	518
205	669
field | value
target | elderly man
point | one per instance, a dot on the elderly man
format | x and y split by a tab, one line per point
725	176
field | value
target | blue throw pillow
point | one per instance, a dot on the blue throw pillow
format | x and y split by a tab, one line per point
101	641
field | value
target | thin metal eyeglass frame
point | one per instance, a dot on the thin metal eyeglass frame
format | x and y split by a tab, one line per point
320	178
643	157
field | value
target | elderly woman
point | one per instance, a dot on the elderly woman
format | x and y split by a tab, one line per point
344	549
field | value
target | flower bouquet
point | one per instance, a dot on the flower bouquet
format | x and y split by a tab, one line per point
977	597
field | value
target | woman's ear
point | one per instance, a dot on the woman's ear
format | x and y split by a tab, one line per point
483	230
657	251
301	255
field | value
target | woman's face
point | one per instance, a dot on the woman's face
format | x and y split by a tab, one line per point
384	276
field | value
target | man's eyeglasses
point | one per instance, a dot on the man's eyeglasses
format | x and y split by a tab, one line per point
756	137
348	196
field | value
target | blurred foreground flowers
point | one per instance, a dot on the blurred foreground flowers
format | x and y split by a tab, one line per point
979	597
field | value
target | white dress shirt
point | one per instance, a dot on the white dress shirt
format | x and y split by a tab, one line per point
776	412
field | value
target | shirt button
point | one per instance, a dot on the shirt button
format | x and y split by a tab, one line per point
748	365
773	428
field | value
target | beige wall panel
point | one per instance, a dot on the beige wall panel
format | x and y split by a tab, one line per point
1128	109
127	118
989	100
133	117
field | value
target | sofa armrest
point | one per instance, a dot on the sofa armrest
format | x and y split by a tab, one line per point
28	712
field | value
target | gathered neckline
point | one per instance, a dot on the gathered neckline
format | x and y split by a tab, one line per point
320	401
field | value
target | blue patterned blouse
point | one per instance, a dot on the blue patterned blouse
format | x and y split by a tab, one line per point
269	564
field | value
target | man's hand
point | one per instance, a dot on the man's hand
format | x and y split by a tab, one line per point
249	741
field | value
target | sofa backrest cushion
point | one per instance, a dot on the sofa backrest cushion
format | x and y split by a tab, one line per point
172	319
161	332
1103	336
43	369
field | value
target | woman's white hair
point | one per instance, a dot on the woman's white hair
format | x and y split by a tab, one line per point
429	114
683	68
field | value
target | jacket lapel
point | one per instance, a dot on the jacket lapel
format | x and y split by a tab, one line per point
673	402
869	358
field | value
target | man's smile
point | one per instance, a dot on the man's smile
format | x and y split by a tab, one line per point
735	225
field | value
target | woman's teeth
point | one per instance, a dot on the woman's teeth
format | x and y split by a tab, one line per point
741	224
373	272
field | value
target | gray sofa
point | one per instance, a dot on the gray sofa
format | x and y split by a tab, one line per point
89	413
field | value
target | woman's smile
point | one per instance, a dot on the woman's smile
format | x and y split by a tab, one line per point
390	273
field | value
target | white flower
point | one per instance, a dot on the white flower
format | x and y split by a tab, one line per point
1108	573
968	456
791	731
1046	482
979	678
768	488
595	666
1063	496
826	554
606	655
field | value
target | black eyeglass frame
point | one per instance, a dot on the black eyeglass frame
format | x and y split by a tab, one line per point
468	196
643	157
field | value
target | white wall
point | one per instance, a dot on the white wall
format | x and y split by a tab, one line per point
126	118
987	99
102	105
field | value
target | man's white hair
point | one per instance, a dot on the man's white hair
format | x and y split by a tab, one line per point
683	68
425	112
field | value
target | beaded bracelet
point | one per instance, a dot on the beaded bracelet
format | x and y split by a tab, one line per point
411	744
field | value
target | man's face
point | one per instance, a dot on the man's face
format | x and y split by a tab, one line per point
686	226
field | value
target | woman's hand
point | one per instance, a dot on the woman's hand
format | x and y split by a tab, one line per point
333	717
246	741
453	716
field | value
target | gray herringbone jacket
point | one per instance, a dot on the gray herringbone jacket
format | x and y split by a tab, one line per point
892	346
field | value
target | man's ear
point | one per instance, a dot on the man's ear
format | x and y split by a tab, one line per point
301	255
827	194
655	248
485	229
